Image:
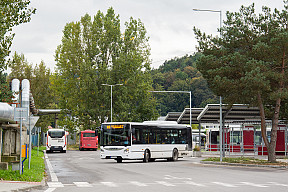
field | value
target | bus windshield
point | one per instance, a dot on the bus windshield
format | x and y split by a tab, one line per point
56	134
115	135
88	134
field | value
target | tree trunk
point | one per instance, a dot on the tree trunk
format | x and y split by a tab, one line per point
270	146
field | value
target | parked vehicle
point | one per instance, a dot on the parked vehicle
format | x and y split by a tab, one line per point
88	140
56	140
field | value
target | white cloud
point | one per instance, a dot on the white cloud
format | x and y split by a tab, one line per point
169	23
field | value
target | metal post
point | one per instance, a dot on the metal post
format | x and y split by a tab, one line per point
38	140
221	135
30	141
111	102
20	159
190	111
111	97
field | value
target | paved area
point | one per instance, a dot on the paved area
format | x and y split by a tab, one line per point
26	186
18	185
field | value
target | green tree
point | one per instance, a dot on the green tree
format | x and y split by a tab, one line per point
40	84
12	13
248	63
180	74
5	91
95	52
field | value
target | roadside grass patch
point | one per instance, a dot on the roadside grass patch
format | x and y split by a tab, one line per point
73	147
34	174
244	160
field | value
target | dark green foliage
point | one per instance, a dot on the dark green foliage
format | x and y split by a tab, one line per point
248	64
180	74
12	13
5	91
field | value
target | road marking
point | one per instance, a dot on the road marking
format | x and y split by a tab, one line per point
279	184
50	168
165	183
193	183
82	184
109	184
253	184
224	184
138	183
55	184
50	189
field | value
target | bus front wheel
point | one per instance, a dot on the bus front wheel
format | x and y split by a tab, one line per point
175	155
119	160
146	156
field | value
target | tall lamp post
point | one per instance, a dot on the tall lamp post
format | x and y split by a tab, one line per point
221	128
111	96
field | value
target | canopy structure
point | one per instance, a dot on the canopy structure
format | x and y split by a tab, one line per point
172	116
185	116
230	113
236	113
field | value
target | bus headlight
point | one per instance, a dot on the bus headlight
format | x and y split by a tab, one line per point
126	150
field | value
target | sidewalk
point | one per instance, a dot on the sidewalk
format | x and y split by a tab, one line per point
19	185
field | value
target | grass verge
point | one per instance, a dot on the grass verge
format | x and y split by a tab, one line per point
244	160
34	174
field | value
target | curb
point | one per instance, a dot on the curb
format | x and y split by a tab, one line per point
244	165
41	184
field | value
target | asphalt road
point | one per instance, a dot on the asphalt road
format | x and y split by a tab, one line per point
84	171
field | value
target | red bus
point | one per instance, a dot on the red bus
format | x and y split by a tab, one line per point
88	140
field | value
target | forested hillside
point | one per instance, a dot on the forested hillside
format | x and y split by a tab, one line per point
180	74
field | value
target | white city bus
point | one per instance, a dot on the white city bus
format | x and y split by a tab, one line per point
56	140
145	141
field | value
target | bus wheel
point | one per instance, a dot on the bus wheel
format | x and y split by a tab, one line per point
146	156
175	155
119	160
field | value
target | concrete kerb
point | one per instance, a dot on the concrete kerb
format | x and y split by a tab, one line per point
244	165
204	156
20	185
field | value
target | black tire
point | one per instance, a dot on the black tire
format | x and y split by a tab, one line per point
80	149
175	155
63	151
119	160
152	160
146	156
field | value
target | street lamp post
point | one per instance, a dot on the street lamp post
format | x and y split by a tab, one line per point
111	96
221	128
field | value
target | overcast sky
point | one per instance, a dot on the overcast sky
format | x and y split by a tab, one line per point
169	23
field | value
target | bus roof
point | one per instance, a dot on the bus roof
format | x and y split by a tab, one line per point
164	124
55	129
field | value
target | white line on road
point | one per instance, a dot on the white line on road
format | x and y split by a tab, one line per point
253	184
193	183
224	184
165	183
82	184
51	171
50	189
138	183
55	184
279	184
109	184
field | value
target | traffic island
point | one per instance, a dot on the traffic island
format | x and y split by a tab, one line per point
245	161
